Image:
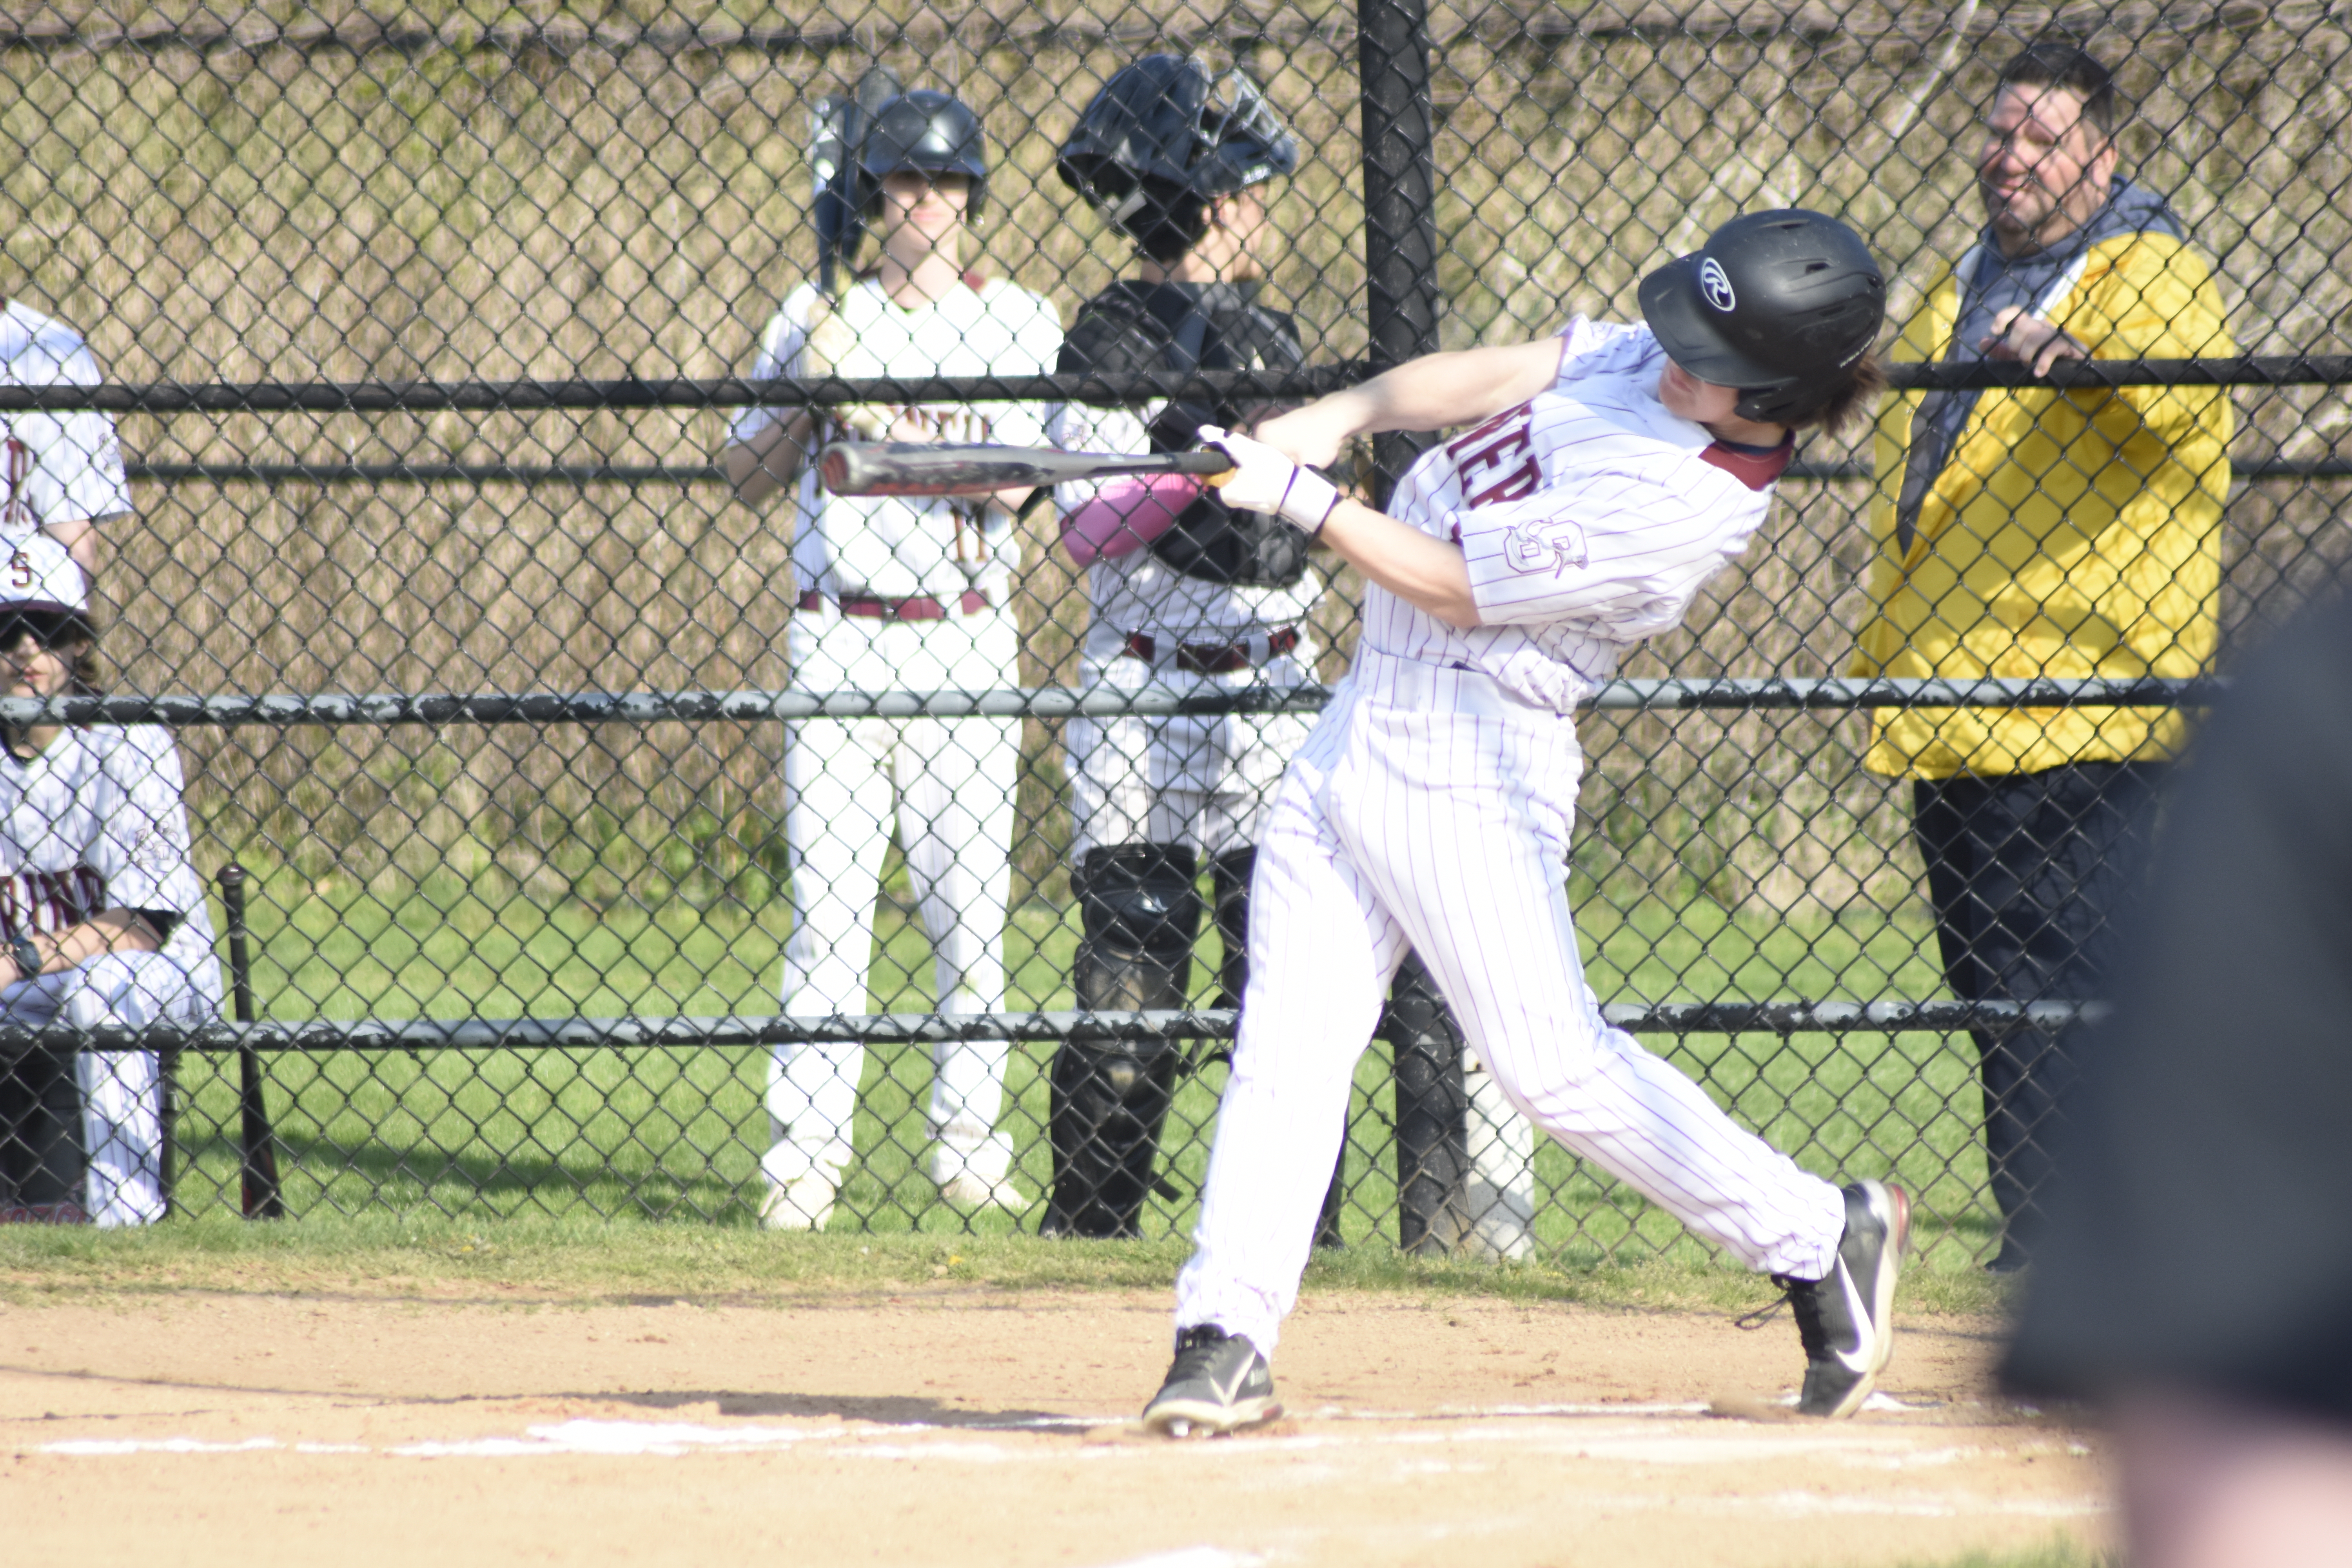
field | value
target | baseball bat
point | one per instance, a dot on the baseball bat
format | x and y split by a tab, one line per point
924	468
262	1197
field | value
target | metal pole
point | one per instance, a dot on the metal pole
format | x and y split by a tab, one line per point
262	1197
1433	1116
1399	203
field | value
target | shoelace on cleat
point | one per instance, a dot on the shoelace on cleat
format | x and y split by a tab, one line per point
1194	1348
1802	1298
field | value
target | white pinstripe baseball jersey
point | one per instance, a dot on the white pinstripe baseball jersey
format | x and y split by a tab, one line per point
1432	809
94	823
1590	517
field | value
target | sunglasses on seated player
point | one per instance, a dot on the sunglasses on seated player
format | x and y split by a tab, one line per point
47	629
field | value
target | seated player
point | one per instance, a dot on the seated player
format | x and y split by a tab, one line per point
102	920
1604	476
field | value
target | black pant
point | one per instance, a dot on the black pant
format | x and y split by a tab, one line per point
2028	873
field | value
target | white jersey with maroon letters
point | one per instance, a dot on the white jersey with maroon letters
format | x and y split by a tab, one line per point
901	593
897	547
94	822
1432	809
1590	517
56	467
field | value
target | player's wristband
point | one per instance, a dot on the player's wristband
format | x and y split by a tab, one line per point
25	957
1309	501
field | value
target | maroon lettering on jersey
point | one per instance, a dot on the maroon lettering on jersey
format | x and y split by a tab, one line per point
1470	439
19	509
1491	445
1516	485
48	900
1751	468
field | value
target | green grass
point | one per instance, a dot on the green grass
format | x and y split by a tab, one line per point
2058	1551
579	1258
678	1134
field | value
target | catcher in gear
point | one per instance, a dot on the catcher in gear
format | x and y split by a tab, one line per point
1185	590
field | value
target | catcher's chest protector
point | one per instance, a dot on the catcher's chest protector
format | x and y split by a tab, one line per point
1181	327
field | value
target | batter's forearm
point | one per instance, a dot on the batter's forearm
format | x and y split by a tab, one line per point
769	460
1432	574
1439	391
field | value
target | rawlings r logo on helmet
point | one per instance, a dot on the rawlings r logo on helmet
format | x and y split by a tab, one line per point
1716	287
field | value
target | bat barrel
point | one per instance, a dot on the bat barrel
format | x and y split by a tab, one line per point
921	469
841	469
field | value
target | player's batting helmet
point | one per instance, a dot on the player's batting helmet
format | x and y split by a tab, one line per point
1170	123
1780	304
929	132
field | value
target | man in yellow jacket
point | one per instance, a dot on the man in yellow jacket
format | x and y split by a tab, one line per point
2049	533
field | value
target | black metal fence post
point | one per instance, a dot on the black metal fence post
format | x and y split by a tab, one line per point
1433	1117
1401	306
1399	203
259	1192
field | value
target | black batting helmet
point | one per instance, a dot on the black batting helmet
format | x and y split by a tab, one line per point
1170	123
1780	304
924	130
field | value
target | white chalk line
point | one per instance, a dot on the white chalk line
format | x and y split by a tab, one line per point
1616	1437
1194	1557
1627	1443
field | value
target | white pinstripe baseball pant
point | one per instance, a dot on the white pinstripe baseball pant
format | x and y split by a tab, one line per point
1432	809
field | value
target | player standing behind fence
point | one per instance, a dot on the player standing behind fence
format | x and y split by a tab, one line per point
2042	533
1608	472
62	472
102	919
899	594
1185	594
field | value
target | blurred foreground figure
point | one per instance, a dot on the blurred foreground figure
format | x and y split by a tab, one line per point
2199	1282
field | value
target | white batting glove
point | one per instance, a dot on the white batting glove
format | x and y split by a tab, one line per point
1265	480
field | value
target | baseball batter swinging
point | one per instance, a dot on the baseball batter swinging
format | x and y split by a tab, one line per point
1601	476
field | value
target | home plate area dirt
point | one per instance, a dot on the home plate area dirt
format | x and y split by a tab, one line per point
974	1428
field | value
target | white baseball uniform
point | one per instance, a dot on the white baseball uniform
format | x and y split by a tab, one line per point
1204	780
1432	807
54	467
93	823
901	593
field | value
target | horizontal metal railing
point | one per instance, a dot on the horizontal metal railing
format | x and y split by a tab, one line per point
711	473
1725	692
740	392
655	1031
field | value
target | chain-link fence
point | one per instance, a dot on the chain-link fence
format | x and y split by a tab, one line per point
600	839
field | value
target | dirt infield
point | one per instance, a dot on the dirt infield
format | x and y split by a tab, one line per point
985	1426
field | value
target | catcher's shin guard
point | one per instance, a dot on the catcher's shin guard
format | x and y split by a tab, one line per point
1140	913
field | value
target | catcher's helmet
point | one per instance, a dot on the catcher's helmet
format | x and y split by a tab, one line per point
1170	123
928	132
1780	304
